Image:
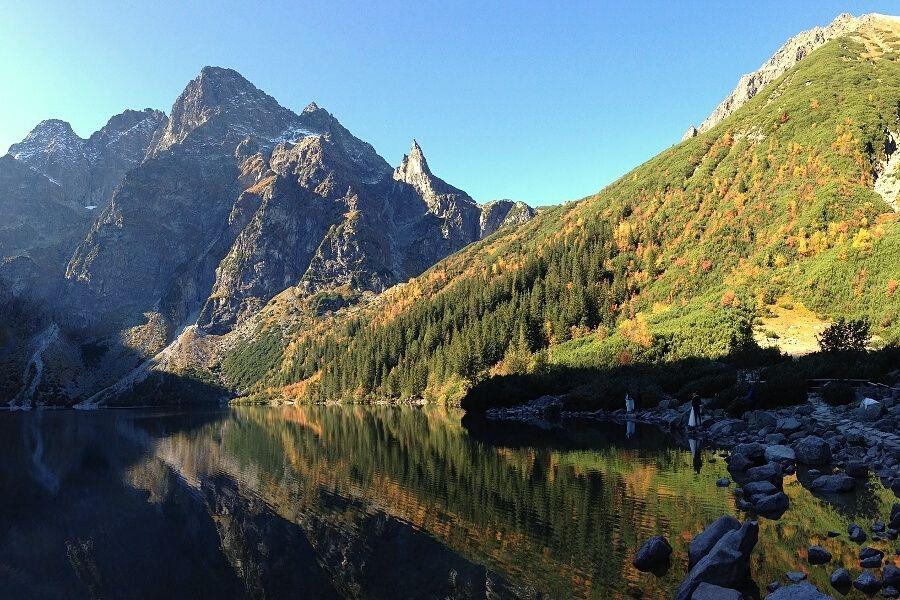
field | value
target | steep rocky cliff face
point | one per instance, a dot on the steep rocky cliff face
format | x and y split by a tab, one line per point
793	51
52	183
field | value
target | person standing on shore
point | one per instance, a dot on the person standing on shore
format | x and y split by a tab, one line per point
696	420
629	404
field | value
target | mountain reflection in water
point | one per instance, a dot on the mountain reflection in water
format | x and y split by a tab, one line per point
369	502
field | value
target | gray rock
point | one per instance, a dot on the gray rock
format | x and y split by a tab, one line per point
758	419
799	591
891	575
781	454
870	558
723	482
703	542
752	451
771	472
772	506
817	555
775	439
838	483
796	576
867	583
789	425
895	516
755	488
813	450
840	579
726	427
708	591
890	591
727	564
856	533
653	554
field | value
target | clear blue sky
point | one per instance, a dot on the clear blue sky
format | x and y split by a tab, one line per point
539	101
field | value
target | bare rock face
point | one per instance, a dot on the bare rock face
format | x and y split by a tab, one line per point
325	215
793	51
51	186
88	171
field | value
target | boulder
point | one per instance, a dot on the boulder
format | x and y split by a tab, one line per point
726	427
788	425
891	575
653	555
727	564
723	482
870	558
813	450
752	451
708	591
840	579
772	506
867	583
796	576
831	484
890	591
774	439
758	419
771	472
780	454
817	555
895	516
738	463
869	410
799	591
856	533
704	541
755	488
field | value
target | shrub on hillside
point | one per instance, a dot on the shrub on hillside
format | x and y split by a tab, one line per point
845	336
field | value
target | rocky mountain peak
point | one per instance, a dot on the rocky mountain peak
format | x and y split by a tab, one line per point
232	105
311	108
413	168
52	139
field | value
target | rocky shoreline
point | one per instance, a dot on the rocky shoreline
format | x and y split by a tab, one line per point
833	450
831	443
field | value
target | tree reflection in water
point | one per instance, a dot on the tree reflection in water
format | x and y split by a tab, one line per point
354	501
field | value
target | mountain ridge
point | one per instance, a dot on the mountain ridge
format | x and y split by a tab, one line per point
217	207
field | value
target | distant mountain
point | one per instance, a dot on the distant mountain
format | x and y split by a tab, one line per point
51	185
790	199
203	216
88	171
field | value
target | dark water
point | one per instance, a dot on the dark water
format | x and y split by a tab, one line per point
370	502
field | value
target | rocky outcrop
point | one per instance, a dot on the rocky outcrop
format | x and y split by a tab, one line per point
793	51
653	555
727	564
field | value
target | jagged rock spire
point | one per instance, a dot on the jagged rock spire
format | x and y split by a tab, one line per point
413	168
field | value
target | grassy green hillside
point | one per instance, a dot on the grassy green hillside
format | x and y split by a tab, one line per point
673	261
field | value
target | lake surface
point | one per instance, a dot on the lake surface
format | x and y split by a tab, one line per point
371	502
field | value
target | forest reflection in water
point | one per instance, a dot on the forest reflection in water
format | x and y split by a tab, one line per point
366	501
